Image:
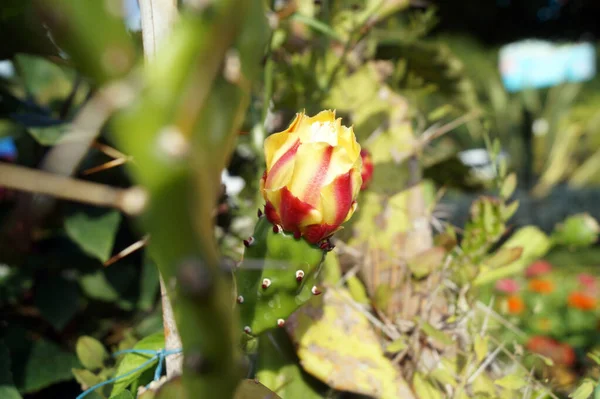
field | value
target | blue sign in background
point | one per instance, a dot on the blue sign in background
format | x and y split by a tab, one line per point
538	64
8	149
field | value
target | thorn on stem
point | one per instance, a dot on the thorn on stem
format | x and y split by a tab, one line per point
195	279
266	283
197	363
240	299
280	322
276	229
249	242
315	291
299	275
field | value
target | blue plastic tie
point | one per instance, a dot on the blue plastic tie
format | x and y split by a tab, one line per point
159	355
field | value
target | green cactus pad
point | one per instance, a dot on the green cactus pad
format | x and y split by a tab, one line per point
278	274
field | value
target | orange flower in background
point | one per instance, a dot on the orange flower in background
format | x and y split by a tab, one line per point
541	286
579	300
560	353
367	168
538	268
313	176
515	304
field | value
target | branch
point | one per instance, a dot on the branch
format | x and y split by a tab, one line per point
157	17
131	201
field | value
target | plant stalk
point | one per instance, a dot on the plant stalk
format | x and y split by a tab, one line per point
157	17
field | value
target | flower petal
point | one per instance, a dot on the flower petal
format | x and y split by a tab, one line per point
337	199
295	214
318	232
312	163
282	169
271	213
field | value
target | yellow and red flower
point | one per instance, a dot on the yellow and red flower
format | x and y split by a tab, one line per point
367	168
313	176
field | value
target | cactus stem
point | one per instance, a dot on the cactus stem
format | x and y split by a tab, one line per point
249	242
195	279
173	143
228	266
299	275
266	283
248	330
198	363
259	213
315	290
240	299
276	229
280	322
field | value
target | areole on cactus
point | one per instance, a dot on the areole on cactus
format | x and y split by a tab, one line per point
310	186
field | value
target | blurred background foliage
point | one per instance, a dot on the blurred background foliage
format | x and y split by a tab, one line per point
420	83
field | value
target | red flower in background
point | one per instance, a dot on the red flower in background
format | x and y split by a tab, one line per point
507	286
538	268
560	353
582	301
367	168
587	280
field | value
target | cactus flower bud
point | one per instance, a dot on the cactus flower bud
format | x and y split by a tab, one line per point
313	176
367	168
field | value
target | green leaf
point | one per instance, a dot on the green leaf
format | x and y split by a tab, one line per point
148	285
584	391
43	364
48	135
91	352
357	290
95	234
278	369
424	389
481	347
503	257
396	346
96	286
132	361
86	378
57	299
535	244
433	332
318	26
508	186
7	387
511	382
252	389
595	357
124	395
427	261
